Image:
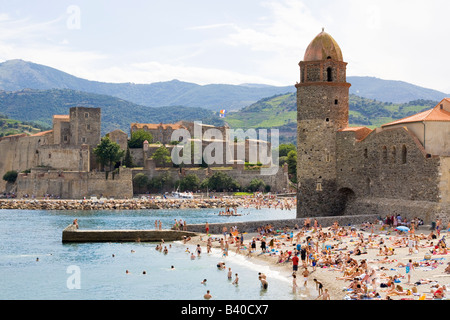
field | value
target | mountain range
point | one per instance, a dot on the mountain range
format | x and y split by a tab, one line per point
34	92
18	75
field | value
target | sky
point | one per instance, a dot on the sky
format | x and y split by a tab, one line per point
231	42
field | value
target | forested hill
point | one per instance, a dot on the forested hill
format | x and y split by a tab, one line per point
281	112
39	106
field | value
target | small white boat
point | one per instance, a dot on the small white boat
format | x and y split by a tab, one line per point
182	195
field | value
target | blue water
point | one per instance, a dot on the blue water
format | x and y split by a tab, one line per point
35	264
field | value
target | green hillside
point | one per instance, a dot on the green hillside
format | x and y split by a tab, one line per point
10	126
281	112
40	105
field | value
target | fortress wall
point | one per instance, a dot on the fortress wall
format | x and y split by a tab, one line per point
18	153
75	184
64	157
279	181
382	207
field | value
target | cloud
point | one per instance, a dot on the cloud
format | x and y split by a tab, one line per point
263	43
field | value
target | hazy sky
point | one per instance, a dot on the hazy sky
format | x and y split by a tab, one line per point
232	41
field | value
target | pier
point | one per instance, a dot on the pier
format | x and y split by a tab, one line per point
72	234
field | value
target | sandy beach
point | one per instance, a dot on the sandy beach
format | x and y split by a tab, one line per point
427	272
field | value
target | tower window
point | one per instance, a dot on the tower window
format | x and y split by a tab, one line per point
384	154
327	119
86	115
404	154
366	155
336	101
329	74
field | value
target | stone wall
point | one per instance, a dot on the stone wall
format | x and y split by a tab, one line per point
279	181
387	164
64	157
252	226
18	153
71	234
75	184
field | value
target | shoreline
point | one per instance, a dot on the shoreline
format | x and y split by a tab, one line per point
384	267
119	204
148	203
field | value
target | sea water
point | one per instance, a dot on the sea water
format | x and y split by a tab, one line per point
35	264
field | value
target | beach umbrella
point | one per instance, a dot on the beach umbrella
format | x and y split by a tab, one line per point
403	228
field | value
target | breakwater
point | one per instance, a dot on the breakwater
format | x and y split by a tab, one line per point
119	204
252	226
72	234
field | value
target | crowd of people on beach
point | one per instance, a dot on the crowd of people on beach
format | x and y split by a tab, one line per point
343	250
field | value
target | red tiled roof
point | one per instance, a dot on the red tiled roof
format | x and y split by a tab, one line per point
61	116
360	132
155	126
42	133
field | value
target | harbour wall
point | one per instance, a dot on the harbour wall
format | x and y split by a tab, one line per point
72	234
252	226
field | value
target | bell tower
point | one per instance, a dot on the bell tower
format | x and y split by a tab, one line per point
322	110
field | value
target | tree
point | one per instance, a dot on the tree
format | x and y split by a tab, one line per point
108	152
292	165
190	182
162	156
10	176
160	183
221	181
256	185
128	160
138	137
140	181
284	149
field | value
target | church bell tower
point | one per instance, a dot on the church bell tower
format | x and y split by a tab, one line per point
322	110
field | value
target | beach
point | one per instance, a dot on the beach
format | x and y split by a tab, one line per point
427	272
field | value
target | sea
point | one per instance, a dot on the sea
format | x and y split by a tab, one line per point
36	265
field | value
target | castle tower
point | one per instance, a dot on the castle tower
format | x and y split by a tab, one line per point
85	126
322	110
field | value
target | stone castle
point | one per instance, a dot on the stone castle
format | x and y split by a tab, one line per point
61	162
402	167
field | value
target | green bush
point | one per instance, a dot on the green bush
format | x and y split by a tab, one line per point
10	176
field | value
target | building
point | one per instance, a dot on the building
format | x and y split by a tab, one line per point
402	167
60	162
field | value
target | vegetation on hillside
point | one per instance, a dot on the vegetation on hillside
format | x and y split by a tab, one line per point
280	112
10	126
39	106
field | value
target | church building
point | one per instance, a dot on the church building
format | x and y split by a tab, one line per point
402	167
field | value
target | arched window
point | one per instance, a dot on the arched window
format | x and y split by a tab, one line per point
368	186
394	154
404	153
329	74
384	154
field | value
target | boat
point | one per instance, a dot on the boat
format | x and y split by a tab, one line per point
182	195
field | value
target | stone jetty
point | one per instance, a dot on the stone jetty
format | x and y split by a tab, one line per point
119	204
73	234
